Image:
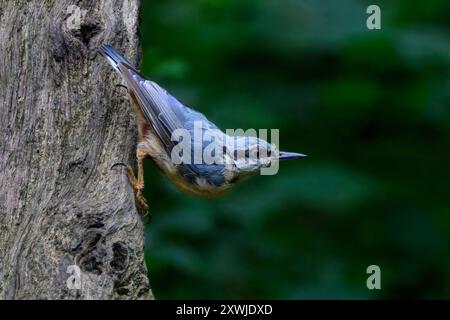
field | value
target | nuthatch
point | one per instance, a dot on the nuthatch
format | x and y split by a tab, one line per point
160	115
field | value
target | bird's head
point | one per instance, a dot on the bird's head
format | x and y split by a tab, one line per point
251	154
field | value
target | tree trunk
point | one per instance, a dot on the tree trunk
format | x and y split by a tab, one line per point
63	123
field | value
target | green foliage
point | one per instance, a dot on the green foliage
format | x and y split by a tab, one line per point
370	108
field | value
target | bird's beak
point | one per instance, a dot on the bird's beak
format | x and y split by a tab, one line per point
291	155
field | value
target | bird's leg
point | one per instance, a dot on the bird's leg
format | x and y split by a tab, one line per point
137	183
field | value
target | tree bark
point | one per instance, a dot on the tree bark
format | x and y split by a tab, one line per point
63	123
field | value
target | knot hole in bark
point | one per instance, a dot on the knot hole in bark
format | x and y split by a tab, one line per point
89	29
120	260
83	24
91	251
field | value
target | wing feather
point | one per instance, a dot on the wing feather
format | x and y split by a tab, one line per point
155	103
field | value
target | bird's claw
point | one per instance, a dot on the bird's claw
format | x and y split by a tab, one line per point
119	85
118	164
141	203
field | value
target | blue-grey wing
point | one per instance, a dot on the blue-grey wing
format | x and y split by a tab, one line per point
163	111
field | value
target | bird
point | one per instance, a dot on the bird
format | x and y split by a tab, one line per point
160	116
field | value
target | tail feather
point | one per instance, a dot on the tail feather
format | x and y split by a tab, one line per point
114	57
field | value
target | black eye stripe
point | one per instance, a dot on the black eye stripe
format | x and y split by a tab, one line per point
247	153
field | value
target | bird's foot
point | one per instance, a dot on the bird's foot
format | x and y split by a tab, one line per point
141	204
138	187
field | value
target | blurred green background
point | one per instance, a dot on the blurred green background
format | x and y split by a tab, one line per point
371	108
